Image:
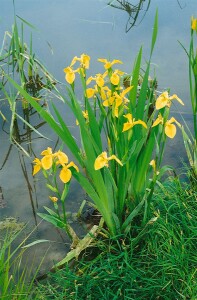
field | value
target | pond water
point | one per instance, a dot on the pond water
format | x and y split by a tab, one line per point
92	27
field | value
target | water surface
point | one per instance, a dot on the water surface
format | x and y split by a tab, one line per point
92	27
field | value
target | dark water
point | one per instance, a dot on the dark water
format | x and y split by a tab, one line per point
73	27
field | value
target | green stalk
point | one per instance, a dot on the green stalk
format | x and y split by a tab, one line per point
193	93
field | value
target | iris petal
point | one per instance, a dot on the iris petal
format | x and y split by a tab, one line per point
115	79
62	157
47	162
100	81
70	77
48	151
65	175
127	126
170	130
90	92
36	169
101	161
140	122
116	159
158	121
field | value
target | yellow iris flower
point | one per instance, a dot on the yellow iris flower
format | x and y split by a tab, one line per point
105	92
169	127
47	160
84	60
103	161
131	122
123	93
51	158
108	64
194	24
120	98
90	92
70	75
111	101
115	98
165	100
53	199
99	78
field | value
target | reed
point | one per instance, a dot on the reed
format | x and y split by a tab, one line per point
18	60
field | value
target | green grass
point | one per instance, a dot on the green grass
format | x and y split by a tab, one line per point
16	275
160	264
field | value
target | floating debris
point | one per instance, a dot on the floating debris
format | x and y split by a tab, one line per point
10	223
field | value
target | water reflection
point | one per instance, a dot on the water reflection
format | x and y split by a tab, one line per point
133	10
21	123
136	11
22	135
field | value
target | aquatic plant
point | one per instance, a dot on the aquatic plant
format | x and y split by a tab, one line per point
190	139
15	282
123	133
19	61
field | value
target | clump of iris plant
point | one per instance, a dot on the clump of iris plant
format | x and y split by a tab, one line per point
122	136
131	133
120	176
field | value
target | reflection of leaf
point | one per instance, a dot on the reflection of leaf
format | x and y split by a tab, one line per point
35	243
133	10
33	128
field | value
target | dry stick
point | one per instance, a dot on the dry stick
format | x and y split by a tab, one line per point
82	245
